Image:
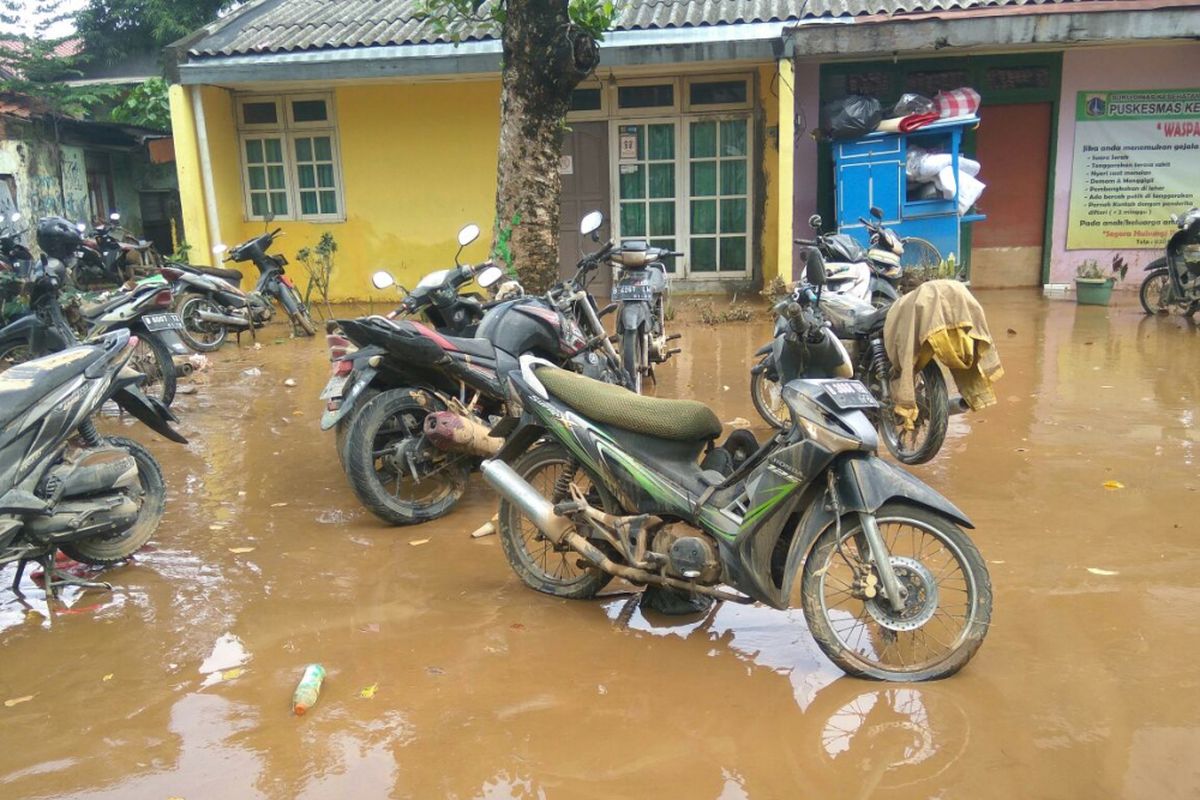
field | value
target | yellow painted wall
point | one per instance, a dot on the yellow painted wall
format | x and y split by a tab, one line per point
418	163
768	100
187	167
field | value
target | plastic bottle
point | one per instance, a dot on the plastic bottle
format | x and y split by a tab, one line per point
308	690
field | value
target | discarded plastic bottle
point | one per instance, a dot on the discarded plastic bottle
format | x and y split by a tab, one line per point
308	690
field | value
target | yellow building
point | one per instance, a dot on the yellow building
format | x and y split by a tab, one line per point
357	119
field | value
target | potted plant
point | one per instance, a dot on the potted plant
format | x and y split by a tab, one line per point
1092	286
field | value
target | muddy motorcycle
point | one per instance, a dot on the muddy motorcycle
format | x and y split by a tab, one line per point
144	310
113	255
640	291
850	270
1174	281
62	485
596	482
15	257
848	342
273	282
211	304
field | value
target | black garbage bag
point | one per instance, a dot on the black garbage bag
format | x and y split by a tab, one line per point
913	104
850	117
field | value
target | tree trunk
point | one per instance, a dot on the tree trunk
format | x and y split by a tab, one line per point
545	58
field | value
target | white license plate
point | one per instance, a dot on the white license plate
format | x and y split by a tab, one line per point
849	395
334	387
162	322
629	292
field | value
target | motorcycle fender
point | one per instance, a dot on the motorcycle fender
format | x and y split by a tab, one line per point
174	342
285	297
766	348
361	381
521	435
149	411
634	316
1158	263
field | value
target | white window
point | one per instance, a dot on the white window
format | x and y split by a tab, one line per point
289	152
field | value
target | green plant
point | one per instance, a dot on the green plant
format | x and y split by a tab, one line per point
318	263
181	253
146	105
1089	270
734	312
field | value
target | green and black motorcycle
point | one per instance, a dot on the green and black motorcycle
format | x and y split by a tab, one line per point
597	482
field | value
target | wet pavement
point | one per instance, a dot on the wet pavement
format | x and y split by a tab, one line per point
448	678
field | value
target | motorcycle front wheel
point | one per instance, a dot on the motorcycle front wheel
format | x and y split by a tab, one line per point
1155	293
393	470
924	440
767	396
201	336
633	356
947	606
152	358
298	312
151	495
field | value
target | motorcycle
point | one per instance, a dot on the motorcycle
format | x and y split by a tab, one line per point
891	586
14	255
63	485
849	336
210	304
850	268
1174	280
113	255
144	310
640	292
273	281
409	449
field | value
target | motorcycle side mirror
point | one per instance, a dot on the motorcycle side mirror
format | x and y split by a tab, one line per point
488	276
468	234
590	223
814	222
79	226
608	309
219	249
877	213
382	280
814	267
114	217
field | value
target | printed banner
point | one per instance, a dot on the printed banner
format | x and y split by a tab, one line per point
1135	165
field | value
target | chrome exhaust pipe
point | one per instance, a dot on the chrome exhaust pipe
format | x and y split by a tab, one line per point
516	490
223	319
958	405
182	366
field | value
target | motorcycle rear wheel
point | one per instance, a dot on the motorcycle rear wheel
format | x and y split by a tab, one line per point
107	550
767	396
1156	288
857	633
203	337
538	563
923	442
152	358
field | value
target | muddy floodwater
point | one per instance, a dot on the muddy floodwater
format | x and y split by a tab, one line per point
448	678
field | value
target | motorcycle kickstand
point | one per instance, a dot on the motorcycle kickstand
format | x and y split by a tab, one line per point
53	577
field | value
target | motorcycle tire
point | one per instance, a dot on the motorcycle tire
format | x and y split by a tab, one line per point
539	564
632	357
395	418
827	559
1154	286
104	551
933	412
298	312
161	385
341	431
203	337
14	354
773	411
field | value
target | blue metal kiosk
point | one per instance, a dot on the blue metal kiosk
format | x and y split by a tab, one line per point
871	172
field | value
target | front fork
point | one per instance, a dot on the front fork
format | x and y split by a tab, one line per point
883	561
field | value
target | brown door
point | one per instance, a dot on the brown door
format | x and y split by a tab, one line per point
1013	147
584	188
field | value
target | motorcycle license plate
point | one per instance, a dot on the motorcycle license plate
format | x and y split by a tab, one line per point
631	292
334	388
849	395
162	322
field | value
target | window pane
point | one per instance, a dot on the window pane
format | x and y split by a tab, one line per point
662	219
258	178
704	139
325	176
254	151
662	142
258	205
733	138
308	202
323	147
704	255
646	96
259	114
704	178
585	100
733	252
633	182
328	203
279	203
304	149
733	177
733	216
274	150
275	177
633	219
307	176
718	92
704	216
308	110
666	244
662	180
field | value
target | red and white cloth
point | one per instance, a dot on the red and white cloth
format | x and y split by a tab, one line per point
962	102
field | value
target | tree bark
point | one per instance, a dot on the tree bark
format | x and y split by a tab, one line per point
545	58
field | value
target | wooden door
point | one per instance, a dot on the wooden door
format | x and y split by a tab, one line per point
584	172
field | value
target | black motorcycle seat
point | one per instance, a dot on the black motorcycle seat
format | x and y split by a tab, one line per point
224	274
676	420
24	384
472	347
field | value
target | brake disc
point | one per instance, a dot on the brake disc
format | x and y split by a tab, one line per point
920	602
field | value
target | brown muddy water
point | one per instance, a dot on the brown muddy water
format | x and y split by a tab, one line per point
448	678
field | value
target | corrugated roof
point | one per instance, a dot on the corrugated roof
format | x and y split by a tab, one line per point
281	26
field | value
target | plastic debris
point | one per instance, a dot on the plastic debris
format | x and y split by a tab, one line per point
230	674
240	550
738	422
107	677
252	372
486	529
308	690
1113	485
416	542
198	361
17	701
1105	572
289	382
278	505
369	692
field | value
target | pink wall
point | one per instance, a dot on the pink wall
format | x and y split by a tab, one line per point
1166	66
808	94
